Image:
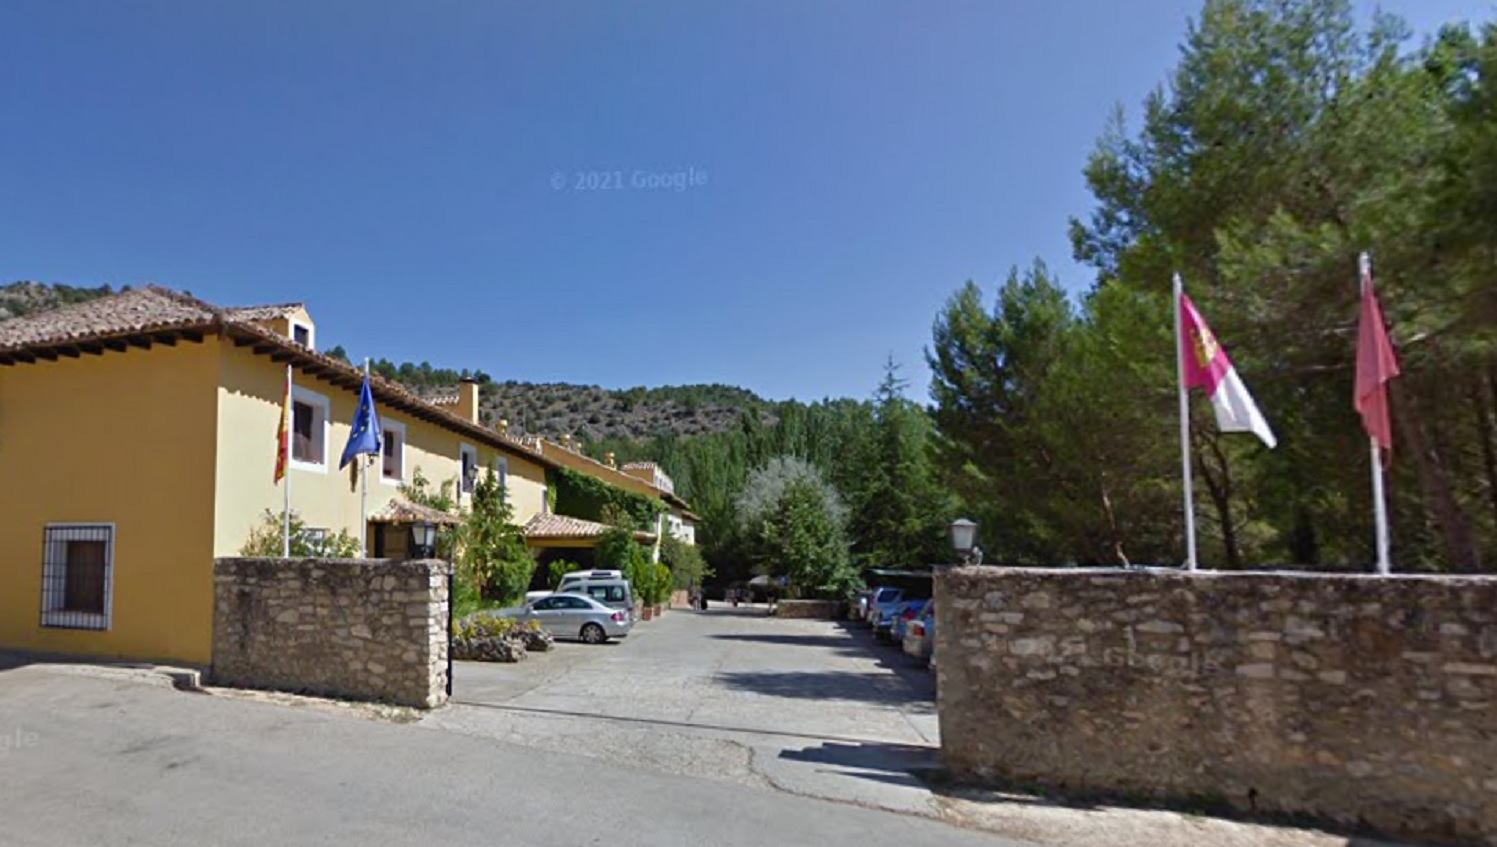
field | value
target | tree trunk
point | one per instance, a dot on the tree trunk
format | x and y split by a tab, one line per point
1219	486
1461	552
1484	398
1112	527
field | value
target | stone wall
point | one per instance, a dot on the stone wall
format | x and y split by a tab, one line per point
818	609
360	629
1368	702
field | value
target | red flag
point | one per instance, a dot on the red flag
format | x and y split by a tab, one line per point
1376	365
283	433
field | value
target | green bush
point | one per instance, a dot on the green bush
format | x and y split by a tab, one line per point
267	540
486	626
558	569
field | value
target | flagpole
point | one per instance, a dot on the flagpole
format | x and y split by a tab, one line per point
1379	497
286	479
364	484
1190	513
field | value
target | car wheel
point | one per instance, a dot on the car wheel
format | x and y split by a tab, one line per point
593	634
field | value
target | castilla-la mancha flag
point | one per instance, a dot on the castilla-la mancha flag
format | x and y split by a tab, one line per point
1207	366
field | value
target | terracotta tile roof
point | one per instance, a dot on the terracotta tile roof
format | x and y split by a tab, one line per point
546	526
404	511
131	312
141	314
263	313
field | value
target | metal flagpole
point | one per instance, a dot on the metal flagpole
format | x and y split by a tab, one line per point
1190	512
1379	499
285	460
364	481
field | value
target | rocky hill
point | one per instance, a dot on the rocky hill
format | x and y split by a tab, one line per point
25	298
595	414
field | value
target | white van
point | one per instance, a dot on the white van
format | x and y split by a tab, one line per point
607	587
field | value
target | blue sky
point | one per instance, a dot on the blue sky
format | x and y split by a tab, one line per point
436	179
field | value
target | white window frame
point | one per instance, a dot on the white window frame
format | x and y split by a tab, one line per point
320	401
74	620
311	332
464	448
388	426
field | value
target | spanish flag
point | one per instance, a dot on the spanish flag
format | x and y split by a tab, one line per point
283	434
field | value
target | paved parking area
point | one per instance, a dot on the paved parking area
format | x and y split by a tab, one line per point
810	707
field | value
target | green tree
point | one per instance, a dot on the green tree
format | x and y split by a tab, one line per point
900	509
493	555
795	524
685	561
988	373
1288	140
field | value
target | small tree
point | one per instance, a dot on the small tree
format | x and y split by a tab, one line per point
493	552
796	528
267	540
688	568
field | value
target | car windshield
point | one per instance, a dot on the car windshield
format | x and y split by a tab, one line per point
886	595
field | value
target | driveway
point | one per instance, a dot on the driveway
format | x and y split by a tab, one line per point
117	756
809	707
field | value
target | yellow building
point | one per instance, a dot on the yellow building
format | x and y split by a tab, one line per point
644	478
138	442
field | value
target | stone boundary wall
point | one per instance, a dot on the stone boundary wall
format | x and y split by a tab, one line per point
1363	701
817	609
358	629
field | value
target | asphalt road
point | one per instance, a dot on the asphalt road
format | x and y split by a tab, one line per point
111	757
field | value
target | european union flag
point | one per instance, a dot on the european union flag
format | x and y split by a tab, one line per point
366	436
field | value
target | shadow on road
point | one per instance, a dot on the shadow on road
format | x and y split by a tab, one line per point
878	687
895	764
743	611
837	642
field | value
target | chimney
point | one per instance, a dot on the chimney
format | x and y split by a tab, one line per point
504	426
467	400
611	461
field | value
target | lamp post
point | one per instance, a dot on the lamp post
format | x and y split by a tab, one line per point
964	541
423	540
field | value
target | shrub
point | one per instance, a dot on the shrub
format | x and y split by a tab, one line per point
558	569
267	540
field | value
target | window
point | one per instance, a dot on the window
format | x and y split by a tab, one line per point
392	466
469	457
309	424
301	334
504	474
77	575
607	593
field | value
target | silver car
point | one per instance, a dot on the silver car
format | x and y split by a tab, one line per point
578	616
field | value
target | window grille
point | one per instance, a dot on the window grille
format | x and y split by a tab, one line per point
77	575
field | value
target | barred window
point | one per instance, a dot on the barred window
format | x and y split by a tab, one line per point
77	575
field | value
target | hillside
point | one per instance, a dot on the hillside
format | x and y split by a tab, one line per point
24	298
547	409
596	414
